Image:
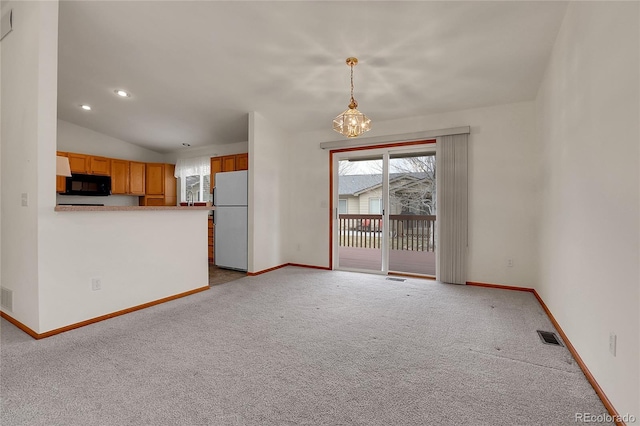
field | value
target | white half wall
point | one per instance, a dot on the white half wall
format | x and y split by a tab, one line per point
503	195
588	109
139	256
268	194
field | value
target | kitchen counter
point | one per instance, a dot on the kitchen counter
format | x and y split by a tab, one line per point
127	208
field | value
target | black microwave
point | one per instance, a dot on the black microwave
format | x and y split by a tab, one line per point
94	185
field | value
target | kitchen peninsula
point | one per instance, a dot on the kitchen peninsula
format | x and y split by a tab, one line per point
115	259
60	208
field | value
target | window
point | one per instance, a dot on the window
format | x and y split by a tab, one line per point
375	206
195	188
194	178
342	206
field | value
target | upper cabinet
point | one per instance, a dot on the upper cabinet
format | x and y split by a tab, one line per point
99	166
242	161
155	179
119	177
227	163
89	164
79	163
127	177
137	178
216	167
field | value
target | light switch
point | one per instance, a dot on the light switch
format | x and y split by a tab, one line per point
25	199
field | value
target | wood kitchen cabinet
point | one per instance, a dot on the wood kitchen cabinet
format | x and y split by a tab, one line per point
216	167
242	161
119	177
170	195
99	166
136	178
227	163
211	237
79	163
160	185
155	179
127	177
89	164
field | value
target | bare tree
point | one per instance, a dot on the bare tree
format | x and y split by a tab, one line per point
346	167
417	193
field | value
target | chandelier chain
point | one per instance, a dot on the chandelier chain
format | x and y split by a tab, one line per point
352	100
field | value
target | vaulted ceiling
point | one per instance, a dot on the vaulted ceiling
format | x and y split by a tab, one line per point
196	69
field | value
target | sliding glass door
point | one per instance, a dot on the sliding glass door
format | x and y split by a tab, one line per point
385	211
412	213
359	219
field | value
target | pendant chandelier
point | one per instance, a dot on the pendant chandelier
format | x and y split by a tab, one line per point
352	123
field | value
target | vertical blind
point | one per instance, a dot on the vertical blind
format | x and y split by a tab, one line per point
452	202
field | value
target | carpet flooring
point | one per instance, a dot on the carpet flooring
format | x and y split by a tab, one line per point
302	347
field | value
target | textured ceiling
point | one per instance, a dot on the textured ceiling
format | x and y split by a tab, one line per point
196	69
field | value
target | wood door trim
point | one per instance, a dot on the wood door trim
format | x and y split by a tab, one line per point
358	148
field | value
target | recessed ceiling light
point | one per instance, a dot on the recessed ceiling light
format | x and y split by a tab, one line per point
186	144
122	93
85	107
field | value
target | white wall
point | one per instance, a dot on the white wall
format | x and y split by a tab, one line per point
2	11
207	151
269	194
74	138
48	257
588	122
29	92
503	199
308	222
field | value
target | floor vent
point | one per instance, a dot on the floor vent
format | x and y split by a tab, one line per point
6	299
396	279
549	338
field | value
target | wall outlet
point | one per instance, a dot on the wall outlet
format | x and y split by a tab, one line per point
96	284
613	340
509	263
24	199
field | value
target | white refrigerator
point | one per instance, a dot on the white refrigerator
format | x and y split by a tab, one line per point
230	218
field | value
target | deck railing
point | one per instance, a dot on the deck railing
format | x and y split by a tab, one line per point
406	231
